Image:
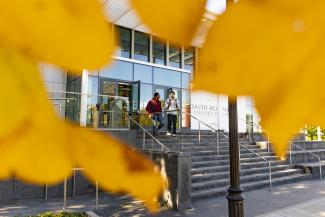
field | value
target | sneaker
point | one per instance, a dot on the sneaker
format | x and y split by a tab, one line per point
168	134
174	135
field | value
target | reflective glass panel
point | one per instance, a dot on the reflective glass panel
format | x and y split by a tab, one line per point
174	56
124	49
145	95
141	46
185	80
92	102
142	73
167	77
189	59
186	106
159	51
118	70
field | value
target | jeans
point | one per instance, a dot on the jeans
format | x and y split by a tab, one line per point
157	118
171	122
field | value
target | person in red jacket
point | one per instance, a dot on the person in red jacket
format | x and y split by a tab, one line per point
155	112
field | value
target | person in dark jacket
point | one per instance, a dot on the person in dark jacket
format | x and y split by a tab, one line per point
155	112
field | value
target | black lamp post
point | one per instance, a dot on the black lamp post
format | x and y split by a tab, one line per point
235	197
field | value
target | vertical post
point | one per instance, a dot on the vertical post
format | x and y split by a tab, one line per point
46	191
180	131
144	140
65	194
218	149
74	183
235	197
97	196
290	154
268	143
199	133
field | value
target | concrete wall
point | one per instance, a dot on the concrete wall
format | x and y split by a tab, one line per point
178	170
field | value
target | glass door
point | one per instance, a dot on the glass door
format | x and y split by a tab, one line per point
135	97
107	103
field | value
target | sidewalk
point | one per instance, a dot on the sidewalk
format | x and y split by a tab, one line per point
257	203
311	208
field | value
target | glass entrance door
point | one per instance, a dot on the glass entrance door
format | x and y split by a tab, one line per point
107	103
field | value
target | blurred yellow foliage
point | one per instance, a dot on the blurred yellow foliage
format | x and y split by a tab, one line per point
35	145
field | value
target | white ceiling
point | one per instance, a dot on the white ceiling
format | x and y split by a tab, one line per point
119	12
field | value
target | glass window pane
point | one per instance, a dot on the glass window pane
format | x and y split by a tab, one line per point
124	49
174	56
189	59
185	80
159	51
118	70
92	102
141	46
145	96
167	77
142	73
186	106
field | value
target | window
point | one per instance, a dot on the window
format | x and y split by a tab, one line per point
119	70
174	56
186	106
92	101
186	80
159	51
141	46
142	73
125	42
145	96
167	77
189	59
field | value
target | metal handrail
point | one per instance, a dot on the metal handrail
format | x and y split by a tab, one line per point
144	133
268	162
309	152
211	128
263	130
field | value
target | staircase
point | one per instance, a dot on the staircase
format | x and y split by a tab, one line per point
210	171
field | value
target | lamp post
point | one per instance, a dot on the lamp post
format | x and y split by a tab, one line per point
235	197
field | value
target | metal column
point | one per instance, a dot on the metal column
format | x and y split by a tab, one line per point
235	197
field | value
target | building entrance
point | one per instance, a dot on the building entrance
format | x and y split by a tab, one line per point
117	100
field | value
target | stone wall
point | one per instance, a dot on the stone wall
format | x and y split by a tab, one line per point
178	170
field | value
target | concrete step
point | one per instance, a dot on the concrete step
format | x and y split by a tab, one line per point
197	186
226	153
215	169
225	174
207	163
217	192
213	154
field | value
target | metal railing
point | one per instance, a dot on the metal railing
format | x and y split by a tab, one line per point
145	131
309	152
268	162
259	128
208	126
65	189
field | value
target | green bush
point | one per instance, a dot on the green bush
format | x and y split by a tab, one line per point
60	214
312	133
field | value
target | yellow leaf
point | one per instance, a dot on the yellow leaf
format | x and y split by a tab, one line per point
116	167
267	49
70	33
174	20
32	139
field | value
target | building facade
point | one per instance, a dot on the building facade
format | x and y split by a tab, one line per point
143	64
